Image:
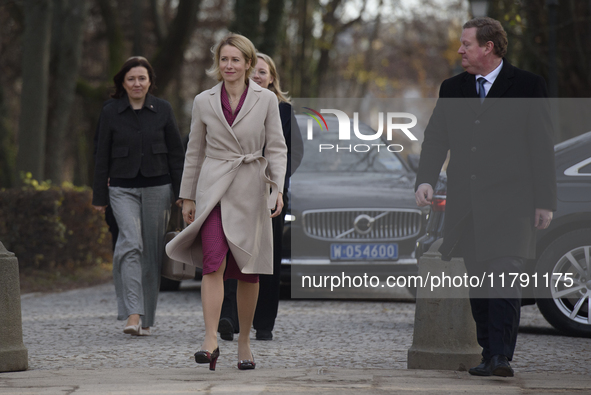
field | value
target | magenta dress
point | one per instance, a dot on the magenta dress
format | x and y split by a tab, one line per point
213	239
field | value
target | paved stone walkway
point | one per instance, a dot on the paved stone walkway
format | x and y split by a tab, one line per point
78	330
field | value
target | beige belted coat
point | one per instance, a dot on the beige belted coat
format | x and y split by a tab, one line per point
224	164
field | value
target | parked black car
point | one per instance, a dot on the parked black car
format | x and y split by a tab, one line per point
565	247
351	210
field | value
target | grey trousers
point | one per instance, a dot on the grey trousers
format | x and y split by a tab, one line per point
142	215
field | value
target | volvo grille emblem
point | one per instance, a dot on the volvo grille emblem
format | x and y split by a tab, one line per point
363	224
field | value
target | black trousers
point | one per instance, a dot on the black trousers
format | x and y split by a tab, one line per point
229	307
496	307
268	302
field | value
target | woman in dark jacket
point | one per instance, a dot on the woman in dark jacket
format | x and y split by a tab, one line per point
266	76
139	162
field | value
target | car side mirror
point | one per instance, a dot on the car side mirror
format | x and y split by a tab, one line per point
413	161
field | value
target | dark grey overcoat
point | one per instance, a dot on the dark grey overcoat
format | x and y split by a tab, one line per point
501	161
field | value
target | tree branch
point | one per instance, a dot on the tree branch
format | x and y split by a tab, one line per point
169	56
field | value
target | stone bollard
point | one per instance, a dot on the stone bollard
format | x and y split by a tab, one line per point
13	354
444	330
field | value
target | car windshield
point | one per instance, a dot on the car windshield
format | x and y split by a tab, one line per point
354	155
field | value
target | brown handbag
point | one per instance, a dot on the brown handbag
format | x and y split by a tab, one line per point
175	270
171	269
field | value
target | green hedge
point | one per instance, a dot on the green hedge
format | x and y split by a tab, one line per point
51	227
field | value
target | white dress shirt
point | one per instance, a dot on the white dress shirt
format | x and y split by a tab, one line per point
490	78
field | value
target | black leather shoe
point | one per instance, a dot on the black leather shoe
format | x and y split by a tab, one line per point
226	329
484	369
264	335
500	366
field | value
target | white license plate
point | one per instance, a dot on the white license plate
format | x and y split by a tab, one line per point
364	251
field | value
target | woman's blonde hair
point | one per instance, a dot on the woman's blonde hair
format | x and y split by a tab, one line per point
274	86
240	42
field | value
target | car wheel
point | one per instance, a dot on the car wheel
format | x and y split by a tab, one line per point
167	284
565	303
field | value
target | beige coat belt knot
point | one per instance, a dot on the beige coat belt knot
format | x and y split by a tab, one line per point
239	159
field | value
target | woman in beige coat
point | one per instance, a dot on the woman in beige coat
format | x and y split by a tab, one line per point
229	189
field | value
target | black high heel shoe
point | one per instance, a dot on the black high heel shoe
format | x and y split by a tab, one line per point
202	356
246	364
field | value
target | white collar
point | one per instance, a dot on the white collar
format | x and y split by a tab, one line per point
492	76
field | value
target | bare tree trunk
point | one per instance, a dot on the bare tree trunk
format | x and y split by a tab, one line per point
301	70
578	57
272	27
159	25
247	19
114	36
137	13
7	147
330	30
33	117
169	57
69	17
83	140
369	56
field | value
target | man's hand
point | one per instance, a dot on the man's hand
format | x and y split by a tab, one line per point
424	195
542	218
188	211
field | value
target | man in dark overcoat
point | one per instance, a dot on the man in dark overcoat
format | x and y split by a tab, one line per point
494	120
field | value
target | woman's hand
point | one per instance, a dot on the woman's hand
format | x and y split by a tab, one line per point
188	211
278	206
100	209
179	202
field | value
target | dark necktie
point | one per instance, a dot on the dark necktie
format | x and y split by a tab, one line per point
481	91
